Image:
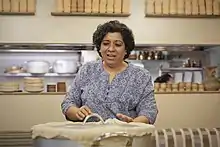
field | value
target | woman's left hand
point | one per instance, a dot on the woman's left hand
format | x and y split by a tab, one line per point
124	118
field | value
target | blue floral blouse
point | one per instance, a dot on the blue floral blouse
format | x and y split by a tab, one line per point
131	92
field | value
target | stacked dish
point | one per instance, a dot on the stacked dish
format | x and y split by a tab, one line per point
32	84
9	87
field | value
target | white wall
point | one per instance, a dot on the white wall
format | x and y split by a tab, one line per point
46	28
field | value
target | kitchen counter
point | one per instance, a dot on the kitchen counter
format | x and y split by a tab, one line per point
196	110
33	93
63	93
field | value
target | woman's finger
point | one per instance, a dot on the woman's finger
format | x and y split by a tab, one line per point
124	118
78	117
88	109
81	115
84	111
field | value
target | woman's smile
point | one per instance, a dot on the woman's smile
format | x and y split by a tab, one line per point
111	56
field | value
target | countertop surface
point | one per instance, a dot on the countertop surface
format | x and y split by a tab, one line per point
63	93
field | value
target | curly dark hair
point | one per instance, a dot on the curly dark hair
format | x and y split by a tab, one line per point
111	27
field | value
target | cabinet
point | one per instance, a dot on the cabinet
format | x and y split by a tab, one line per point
17	7
182	8
119	8
17	54
15	66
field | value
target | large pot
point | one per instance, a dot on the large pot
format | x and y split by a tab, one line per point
65	66
93	134
37	66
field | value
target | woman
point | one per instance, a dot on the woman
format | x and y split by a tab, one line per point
112	87
165	78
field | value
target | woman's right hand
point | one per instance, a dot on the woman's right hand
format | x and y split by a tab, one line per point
82	112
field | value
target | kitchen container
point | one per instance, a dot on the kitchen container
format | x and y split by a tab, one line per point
117	6
80	6
111	133
162	90
163	85
168	90
37	66
51	87
110	6
88	6
176	90
15	6
65	66
14	70
95	6
66	6
61	87
156	85
126	4
31	6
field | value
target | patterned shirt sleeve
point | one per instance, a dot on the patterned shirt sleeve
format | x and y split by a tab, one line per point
147	105
73	96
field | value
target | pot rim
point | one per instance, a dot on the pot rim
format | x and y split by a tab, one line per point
38	61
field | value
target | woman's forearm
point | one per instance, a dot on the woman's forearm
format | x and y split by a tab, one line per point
141	119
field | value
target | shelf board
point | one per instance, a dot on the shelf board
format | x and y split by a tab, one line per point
38	51
181	69
63	93
133	60
48	47
190	92
17	13
37	75
60	47
182	16
89	14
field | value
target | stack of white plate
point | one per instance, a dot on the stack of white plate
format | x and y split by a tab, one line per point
9	87
32	84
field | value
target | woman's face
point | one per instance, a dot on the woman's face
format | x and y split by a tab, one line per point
113	49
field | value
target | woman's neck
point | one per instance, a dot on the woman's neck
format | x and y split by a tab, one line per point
115	69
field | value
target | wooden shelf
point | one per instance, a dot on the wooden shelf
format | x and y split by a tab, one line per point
63	93
182	69
182	8
190	92
102	8
181	16
32	93
17	7
37	75
17	13
89	14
